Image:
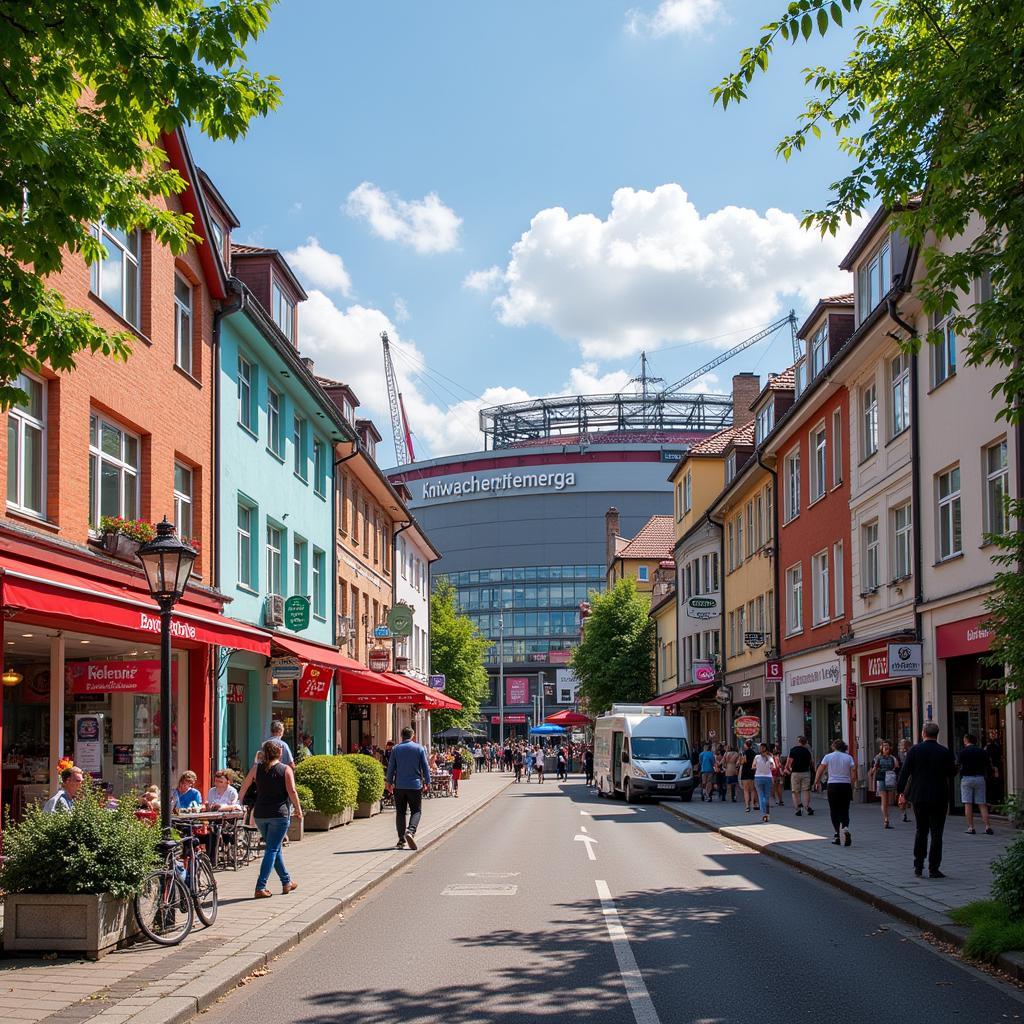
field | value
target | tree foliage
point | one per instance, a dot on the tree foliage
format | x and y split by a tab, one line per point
615	659
87	89
457	649
930	104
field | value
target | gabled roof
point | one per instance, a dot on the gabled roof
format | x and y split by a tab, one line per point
654	540
214	192
717	444
329	384
785	381
370	427
241	251
830	302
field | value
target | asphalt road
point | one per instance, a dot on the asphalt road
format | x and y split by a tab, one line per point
667	924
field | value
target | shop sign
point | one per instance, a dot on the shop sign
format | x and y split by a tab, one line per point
517	690
906	660
399	620
746	726
438	681
296	613
180	630
968	636
379	659
703	671
285	668
817	677
124	753
773	670
315	682
236	693
509	719
559	657
381	633
874	668
704	606
91	677
754	640
89	744
723	695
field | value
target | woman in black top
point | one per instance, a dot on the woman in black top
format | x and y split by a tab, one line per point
747	776
275	789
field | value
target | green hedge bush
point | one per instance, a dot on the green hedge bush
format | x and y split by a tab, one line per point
371	776
469	765
88	849
333	783
305	797
1008	879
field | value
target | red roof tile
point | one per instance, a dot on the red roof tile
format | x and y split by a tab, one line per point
717	444
655	540
250	250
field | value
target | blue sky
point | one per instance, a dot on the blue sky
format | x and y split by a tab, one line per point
420	144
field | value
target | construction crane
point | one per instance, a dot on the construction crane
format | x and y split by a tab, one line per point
404	454
736	349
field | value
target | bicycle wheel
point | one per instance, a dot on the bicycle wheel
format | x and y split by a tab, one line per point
163	908
204	889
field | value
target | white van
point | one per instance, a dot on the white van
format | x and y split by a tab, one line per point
641	752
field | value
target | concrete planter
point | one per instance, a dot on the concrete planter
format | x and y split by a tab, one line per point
315	821
88	924
367	810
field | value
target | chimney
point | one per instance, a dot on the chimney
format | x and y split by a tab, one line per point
745	389
308	363
611	531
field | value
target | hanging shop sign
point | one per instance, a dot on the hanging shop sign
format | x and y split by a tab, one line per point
703	671
285	668
399	620
874	667
379	659
92	677
723	695
906	659
773	670
754	640
746	726
704	606
296	613
381	633
315	682
236	693
438	681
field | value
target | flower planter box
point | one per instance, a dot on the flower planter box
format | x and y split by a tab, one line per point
315	821
92	925
120	546
367	810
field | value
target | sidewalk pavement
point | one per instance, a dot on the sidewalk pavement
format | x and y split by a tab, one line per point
147	984
879	867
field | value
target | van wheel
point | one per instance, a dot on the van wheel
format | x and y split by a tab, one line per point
686	795
630	798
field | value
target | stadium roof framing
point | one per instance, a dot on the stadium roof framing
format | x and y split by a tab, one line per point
583	418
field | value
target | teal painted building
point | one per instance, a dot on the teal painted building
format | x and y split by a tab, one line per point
275	524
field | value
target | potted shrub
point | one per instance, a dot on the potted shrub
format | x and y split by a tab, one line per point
69	877
122	537
371	783
468	764
335	787
308	804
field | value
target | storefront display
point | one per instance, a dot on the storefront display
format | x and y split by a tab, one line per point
813	689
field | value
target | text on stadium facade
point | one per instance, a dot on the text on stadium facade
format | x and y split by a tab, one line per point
505	482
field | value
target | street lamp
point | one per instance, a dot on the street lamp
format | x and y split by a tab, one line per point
167	563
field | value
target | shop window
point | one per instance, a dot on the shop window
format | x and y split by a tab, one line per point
275	541
819	462
182	323
183	500
947	486
820	587
791	476
113	471
902	526
247	516
275	434
997	483
246	393
869	556
115	276
869	420
319	583
26	448
794	599
899	394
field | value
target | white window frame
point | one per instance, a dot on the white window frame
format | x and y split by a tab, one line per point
749	547
730	468
183	317
948	514
902	542
819	350
21	422
300	565
183	501
820	588
997	487
319	468
283	310
838	580
899	394
837	447
869	557
245	537
874	277
794	599
275	411
791	484
869	419
764	422
98	458
687	492
273	548
245	394
125	305
943	355
730	531
817	443
300	428
739	538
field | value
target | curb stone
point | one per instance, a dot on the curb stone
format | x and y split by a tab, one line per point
941	926
176	1008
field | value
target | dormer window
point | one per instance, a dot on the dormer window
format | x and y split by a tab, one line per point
799	379
730	468
874	276
819	350
349	411
764	421
217	230
283	311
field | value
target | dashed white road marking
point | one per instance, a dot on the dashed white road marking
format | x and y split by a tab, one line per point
636	989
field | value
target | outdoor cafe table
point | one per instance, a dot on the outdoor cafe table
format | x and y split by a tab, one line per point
216	821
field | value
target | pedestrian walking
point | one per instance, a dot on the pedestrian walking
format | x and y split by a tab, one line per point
882	775
408	774
530	760
975	767
763	764
588	765
747	775
707	772
720	770
517	760
538	764
276	803
924	782
562	764
776	775
799	767
478	757
277	736
458	764
842	777
731	764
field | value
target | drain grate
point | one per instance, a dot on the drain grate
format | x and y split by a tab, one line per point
480	889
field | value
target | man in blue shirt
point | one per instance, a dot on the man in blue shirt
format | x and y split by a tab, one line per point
408	772
707	773
277	736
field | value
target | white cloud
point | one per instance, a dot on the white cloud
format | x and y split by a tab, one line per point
587	380
675	17
483	280
656	271
426	224
320	268
401	309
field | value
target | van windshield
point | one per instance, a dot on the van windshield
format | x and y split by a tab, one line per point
660	748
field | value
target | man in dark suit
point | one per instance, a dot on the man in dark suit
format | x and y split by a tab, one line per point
924	782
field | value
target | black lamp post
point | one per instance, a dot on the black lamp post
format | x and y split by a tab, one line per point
168	563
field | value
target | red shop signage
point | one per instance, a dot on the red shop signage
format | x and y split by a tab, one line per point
315	682
89	677
968	636
874	667
510	719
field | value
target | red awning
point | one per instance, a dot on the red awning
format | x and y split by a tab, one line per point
676	696
366	687
64	595
430	696
569	717
315	654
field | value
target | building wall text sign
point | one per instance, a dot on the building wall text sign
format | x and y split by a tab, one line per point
753	640
296	613
817	677
90	677
968	636
285	668
874	667
702	606
496	484
906	659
